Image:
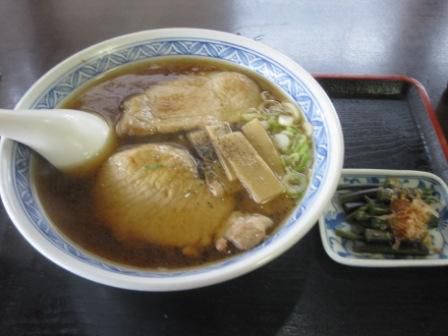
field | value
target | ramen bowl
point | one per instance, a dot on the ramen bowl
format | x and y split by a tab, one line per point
18	190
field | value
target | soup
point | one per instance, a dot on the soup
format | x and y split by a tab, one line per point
210	160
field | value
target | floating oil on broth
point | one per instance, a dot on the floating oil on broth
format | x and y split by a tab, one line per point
70	202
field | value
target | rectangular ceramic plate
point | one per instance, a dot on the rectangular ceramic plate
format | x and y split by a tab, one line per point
340	250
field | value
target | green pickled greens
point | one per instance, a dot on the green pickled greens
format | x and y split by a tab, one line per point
388	217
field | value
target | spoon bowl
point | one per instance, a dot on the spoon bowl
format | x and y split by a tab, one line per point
73	141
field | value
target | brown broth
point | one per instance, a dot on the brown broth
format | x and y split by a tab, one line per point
68	201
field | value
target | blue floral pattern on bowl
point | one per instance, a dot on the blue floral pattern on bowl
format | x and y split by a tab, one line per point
341	250
226	51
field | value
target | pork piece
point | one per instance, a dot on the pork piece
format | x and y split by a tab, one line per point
188	102
152	193
254	174
243	230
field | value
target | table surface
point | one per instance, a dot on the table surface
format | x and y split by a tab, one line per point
323	298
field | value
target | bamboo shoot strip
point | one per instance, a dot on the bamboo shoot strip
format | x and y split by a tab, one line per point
254	174
261	141
214	131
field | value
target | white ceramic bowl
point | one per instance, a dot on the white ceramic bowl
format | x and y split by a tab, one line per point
23	206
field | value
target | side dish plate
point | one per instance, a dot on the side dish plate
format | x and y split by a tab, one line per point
340	250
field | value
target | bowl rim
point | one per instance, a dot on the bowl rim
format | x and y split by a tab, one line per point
365	260
268	253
